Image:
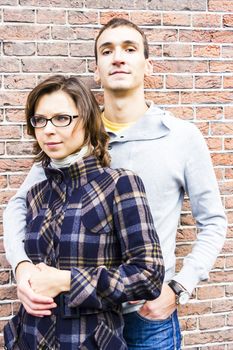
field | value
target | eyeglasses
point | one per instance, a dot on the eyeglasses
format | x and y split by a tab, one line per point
61	120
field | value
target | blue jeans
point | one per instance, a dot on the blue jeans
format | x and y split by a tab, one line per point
141	333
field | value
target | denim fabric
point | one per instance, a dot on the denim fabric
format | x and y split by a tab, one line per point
141	333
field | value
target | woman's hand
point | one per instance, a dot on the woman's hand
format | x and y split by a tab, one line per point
50	281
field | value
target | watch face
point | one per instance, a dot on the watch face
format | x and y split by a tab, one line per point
183	298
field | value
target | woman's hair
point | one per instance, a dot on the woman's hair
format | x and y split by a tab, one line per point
88	110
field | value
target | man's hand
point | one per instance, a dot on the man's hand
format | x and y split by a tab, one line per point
50	281
162	307
35	304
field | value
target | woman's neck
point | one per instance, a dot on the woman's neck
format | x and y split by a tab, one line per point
67	161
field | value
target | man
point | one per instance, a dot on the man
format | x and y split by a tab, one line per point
171	157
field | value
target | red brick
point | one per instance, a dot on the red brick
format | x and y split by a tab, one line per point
228	112
228	82
206	20
197	308
4	277
183	250
107	16
82	17
229	262
176	19
13	98
5	196
9	2
227	52
229	216
19	148
209	113
155	50
206	97
81	49
220	5
52	49
3	181
208	337
13	132
186	234
198	36
226	187
229	290
228	20
73	33
168	98
228	143
222	159
222	305
16	180
188	324
153	82
206	51
177	50
185	5
2	148
163	35
221	66
210	322
19	49
179	66
19	81
221	36
210	292
229	320
203	127
18	15
9	65
145	18
179	82
5	310
207	82
48	16
24	32
60	65
15	164
229	175
8	293
214	144
52	3
182	112
15	115
222	128
221	276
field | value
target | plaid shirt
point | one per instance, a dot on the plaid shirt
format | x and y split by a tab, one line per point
95	222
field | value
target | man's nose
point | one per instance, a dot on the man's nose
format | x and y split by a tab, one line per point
118	57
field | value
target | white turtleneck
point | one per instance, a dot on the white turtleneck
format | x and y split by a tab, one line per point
67	161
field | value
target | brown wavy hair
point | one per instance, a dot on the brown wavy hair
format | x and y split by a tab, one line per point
89	112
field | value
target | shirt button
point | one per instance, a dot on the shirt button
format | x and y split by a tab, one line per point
109	147
121	136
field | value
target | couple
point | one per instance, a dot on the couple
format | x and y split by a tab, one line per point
169	155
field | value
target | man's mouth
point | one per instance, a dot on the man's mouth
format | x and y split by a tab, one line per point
118	72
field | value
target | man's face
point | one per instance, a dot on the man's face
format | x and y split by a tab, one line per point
121	62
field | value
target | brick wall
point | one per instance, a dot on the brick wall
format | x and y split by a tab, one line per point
191	43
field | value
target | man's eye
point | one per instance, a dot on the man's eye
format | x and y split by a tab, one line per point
130	49
106	52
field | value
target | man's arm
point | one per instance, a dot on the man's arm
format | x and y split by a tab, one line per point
207	209
14	223
14	219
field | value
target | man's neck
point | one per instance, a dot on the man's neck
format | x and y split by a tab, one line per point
124	109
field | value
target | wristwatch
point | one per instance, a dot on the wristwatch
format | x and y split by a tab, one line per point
182	295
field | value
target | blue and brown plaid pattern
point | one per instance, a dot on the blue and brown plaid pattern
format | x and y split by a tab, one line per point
95	222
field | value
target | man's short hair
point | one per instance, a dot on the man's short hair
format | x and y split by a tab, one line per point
122	22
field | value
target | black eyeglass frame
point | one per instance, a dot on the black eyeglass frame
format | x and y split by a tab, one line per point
46	120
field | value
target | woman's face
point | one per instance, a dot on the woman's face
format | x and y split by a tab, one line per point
59	142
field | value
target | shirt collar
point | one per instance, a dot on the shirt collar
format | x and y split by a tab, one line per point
153	124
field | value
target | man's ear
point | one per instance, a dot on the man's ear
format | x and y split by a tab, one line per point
96	75
148	68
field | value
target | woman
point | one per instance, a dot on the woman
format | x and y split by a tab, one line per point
89	228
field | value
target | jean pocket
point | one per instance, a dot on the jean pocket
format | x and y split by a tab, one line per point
152	320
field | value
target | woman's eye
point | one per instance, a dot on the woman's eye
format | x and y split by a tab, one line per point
62	118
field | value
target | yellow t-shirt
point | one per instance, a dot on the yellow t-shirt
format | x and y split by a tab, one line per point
113	126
